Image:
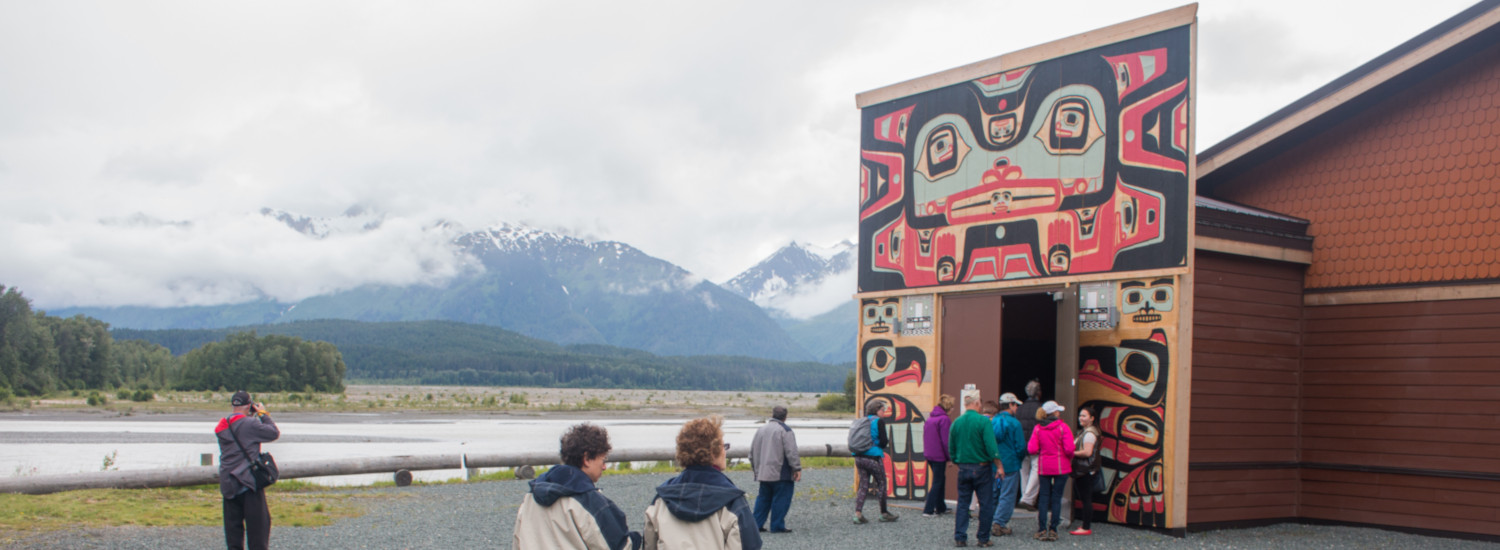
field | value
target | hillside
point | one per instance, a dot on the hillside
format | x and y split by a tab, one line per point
446	352
537	283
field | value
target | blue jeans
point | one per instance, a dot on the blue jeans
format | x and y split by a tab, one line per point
974	478
775	498
1049	500
1005	497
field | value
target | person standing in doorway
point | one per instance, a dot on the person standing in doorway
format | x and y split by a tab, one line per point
246	514
1052	443
1012	447
778	468
1028	414
935	450
870	466
971	443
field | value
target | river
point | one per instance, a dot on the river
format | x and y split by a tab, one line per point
58	444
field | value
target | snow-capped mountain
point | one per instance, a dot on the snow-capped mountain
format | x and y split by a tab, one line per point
538	283
800	280
808	289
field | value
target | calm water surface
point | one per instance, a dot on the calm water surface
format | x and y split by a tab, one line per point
49	445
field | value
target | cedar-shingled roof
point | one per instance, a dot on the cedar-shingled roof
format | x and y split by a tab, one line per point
1456	38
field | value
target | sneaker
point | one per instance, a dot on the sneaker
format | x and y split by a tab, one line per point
929	515
1027	506
888	517
1040	535
859	519
985	544
960	544
1000	531
787	530
1081	532
1051	536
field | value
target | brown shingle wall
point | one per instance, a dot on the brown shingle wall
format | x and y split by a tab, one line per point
1246	335
1406	192
1404	385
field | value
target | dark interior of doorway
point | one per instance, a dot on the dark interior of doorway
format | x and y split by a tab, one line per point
1028	344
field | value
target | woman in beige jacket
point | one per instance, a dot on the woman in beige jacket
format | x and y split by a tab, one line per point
701	507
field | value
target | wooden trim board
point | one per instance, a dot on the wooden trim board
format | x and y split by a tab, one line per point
1253	250
1022	283
1398	295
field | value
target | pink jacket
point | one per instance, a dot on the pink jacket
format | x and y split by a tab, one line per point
1052	442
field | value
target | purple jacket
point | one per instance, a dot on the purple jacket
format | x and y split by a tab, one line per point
935	435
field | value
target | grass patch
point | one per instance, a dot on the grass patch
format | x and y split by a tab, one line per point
827	462
292	503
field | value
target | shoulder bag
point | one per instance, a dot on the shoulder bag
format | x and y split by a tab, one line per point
263	470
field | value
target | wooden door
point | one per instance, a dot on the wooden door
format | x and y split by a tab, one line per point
970	355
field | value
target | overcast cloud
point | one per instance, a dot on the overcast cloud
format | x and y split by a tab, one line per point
139	141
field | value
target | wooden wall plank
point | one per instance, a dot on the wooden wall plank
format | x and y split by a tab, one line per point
1405	309
1488	350
1253	309
1333	512
1343	391
1407	336
1245	428
1232	320
1364	364
1249	363
1288	340
1215	515
1277	388
1385	418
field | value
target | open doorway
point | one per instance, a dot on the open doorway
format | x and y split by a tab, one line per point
999	341
1028	345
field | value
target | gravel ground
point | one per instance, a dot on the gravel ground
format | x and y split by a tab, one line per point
482	514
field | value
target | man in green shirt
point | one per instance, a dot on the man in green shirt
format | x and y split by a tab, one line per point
971	444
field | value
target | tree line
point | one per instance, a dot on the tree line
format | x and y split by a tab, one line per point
41	354
452	353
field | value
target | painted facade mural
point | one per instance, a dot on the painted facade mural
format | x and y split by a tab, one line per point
896	340
1074	165
1125	376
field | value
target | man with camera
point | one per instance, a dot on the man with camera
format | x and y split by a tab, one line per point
240	435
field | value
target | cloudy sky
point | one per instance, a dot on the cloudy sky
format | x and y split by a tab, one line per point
139	141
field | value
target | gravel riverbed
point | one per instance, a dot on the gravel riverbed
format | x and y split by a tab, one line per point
480	515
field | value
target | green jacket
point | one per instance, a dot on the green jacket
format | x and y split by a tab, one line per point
970	440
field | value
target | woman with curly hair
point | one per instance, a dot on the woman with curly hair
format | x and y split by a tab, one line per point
565	510
701	507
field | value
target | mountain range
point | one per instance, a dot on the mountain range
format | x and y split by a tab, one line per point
795	305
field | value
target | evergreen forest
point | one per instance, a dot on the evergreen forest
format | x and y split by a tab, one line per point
41	354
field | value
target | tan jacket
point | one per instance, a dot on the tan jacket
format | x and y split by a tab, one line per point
565	525
718	531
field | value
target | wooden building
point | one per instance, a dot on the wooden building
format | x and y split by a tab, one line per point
1356	378
1301	323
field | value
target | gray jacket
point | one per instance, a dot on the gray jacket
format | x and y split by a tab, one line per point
234	469
773	453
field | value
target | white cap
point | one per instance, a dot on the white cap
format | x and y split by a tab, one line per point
1051	407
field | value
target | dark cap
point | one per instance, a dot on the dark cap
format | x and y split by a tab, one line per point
240	399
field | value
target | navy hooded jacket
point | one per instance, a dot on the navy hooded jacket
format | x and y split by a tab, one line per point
568	481
700	491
